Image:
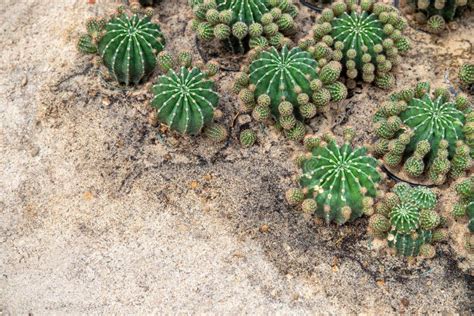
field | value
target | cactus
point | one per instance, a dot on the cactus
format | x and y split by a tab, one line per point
465	205
367	39
289	85
243	24
87	43
427	136
185	100
408	220
435	13
466	74
338	183
248	138
216	132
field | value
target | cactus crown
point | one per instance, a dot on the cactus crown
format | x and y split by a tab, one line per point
366	39
465	205
244	23
435	13
288	84
185	99
425	133
406	217
341	180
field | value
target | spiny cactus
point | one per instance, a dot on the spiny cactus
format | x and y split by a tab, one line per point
247	138
466	74
289	85
407	218
435	13
465	205
338	183
367	39
244	23
430	136
185	100
147	3
87	43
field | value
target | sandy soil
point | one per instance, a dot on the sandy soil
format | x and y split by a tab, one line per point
103	213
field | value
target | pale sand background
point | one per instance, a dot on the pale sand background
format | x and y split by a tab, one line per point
98	214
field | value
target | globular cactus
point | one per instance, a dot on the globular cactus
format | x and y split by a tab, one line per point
185	100
216	132
429	137
338	183
244	23
465	205
407	219
87	43
466	74
247	138
289	85
435	13
129	47
367	39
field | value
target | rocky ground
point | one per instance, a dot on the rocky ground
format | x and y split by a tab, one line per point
104	213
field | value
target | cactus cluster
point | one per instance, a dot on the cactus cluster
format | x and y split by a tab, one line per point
127	45
435	13
465	205
367	39
289	85
338	183
427	136
244	24
185	99
407	219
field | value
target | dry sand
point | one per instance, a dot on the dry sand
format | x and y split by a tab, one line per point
103	213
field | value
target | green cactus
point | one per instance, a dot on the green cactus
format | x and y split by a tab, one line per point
428	136
466	74
341	180
248	138
87	43
367	39
465	205
407	218
243	24
289	84
185	100
435	13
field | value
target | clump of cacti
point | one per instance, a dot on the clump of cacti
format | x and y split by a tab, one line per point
407	219
338	183
466	74
465	205
185	99
430	137
289	85
127	45
435	13
367	39
244	24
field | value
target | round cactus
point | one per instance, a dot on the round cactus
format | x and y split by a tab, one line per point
129	47
289	84
428	136
367	40
413	220
465	205
216	132
435	13
466	74
185	100
248	138
341	180
244	23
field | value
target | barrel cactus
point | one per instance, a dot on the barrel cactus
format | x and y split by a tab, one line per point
288	85
241	24
367	39
435	13
429	137
465	205
407	219
185	99
466	74
338	183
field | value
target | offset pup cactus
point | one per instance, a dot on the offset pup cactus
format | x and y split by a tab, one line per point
367	39
435	13
288	85
465	205
127	45
244	23
338	183
407	219
466	74
426	136
185	100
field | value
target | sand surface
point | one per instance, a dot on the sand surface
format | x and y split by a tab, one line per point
103	213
